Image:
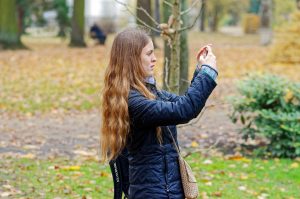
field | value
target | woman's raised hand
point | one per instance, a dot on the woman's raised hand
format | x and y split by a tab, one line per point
206	57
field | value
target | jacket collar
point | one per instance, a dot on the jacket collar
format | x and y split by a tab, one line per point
150	80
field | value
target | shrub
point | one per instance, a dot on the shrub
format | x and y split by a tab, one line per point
270	106
251	23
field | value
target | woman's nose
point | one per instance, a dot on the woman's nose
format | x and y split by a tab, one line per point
154	58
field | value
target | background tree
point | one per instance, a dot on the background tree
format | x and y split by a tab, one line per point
167	51
62	17
157	11
202	16
226	11
77	33
170	32
265	22
30	13
23	9
184	53
215	11
254	6
144	13
9	30
146	6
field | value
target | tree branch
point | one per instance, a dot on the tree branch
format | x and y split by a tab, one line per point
190	26
148	15
141	21
199	116
190	8
203	150
167	3
166	73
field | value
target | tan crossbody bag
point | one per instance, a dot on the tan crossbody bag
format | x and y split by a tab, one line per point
188	179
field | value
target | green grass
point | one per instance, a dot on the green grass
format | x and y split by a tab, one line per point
247	178
56	178
222	178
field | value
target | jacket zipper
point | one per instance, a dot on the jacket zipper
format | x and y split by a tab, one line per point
166	173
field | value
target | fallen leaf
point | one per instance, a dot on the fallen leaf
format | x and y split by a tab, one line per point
5	194
204	195
294	165
263	196
207	162
28	156
208	183
243	177
242	188
194	144
217	194
71	168
104	174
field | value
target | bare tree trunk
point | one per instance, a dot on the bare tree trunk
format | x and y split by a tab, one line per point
157	11
77	34
298	4
175	50
184	53
266	25
215	17
167	50
145	4
203	15
9	31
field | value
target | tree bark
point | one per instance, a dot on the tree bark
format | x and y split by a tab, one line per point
145	4
175	50
266	26
184	53
215	16
10	36
157	11
62	17
167	50
77	34
202	16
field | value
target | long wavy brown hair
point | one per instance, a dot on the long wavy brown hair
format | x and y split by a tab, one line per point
124	72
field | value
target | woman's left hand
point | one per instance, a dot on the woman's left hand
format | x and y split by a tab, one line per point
208	58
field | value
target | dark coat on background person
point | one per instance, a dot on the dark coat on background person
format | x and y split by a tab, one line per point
97	33
153	168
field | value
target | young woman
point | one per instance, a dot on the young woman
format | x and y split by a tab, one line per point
137	118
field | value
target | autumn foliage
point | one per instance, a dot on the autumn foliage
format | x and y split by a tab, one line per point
286	48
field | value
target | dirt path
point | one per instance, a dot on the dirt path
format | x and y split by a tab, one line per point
77	133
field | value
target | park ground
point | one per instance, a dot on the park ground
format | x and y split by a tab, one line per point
50	119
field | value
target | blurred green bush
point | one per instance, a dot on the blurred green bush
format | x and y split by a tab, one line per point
269	105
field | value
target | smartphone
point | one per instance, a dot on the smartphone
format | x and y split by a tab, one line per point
202	52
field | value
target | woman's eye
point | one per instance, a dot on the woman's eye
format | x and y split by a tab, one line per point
149	53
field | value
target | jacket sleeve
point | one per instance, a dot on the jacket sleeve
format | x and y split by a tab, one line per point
145	112
172	97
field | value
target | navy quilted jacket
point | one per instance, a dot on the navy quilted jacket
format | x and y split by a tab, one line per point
153	168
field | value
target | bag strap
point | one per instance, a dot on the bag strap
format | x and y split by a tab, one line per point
176	147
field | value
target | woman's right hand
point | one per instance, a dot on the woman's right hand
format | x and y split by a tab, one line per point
208	59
